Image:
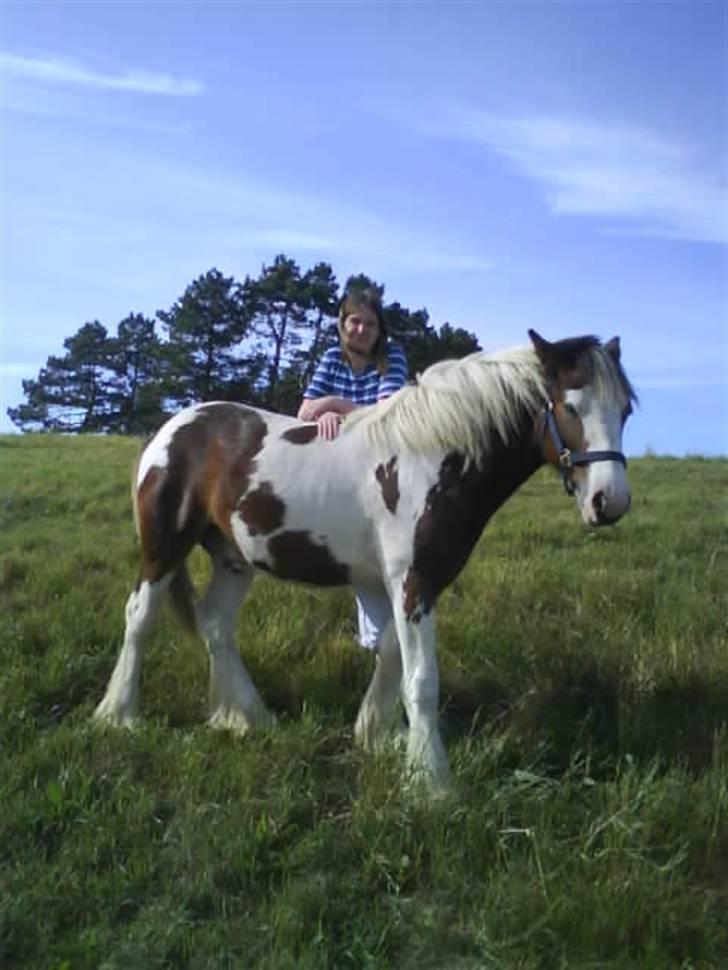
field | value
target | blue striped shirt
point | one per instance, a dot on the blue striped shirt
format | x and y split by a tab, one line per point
333	376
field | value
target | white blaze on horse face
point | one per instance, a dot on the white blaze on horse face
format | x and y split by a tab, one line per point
602	488
156	454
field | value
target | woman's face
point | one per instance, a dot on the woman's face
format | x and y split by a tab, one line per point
361	330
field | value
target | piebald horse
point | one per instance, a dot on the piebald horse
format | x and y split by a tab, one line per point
395	504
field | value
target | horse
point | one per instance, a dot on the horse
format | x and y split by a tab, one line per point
395	504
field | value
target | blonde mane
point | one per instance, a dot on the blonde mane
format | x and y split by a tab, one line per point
458	405
455	403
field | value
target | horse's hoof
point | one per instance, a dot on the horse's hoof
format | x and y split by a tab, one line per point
107	717
372	734
232	721
432	791
237	723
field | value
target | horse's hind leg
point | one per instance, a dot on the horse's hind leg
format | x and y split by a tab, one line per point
235	704
121	699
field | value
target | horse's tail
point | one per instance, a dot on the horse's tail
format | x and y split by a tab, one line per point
182	595
182	598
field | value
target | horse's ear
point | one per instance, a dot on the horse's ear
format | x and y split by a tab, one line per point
613	349
545	353
562	362
540	345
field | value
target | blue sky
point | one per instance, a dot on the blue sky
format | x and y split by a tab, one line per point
506	165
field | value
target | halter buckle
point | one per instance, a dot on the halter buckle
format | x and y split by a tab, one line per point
568	460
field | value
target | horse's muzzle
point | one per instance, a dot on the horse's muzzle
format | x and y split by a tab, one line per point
605	513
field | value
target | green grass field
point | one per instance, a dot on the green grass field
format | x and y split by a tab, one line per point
584	707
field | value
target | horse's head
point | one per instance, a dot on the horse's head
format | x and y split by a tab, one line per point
590	401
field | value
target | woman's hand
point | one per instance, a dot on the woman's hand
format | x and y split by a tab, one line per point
328	425
313	408
310	408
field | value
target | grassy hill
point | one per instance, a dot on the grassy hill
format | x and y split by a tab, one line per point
584	705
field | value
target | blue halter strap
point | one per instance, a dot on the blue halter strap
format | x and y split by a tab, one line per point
569	459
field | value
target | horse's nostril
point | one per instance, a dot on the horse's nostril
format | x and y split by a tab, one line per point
599	503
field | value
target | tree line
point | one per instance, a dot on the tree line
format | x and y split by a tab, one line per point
256	342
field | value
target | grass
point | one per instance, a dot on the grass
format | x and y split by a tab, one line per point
584	705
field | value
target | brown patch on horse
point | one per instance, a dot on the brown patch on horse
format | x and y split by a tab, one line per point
239	436
262	510
413	598
165	541
571	430
388	480
302	434
456	510
222	550
296	556
224	461
210	462
440	546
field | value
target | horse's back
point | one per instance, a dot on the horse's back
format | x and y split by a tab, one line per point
192	432
287	500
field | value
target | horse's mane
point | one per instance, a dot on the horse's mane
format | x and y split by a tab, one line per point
459	405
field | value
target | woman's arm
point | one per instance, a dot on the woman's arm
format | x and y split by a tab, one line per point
396	375
312	408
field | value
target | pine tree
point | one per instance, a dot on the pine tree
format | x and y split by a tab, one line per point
257	342
422	343
71	392
136	391
322	308
204	328
277	301
319	331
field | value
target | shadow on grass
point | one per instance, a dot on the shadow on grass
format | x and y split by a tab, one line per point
572	709
590	711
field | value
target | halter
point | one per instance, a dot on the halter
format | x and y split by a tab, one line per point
568	459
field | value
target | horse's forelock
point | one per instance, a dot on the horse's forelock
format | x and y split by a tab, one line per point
608	376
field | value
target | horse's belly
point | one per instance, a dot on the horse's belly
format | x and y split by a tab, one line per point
308	515
311	548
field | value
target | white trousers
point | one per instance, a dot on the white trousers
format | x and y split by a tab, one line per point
374	611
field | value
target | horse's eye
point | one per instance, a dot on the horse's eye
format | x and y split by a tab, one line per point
571	410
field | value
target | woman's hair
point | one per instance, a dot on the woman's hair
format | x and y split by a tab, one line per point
369	299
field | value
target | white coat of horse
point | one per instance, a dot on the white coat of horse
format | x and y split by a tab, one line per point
395	504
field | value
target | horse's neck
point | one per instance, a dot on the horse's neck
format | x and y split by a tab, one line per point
484	488
460	503
480	487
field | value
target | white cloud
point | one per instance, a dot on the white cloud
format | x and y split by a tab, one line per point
639	181
64	72
248	214
280	239
67	109
228	220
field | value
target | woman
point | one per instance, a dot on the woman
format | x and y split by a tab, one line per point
365	368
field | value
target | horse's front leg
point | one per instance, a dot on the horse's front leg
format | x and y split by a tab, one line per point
377	720
426	757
